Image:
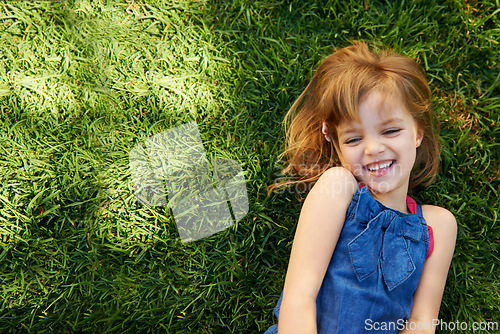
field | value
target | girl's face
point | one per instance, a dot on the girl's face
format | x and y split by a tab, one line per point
380	149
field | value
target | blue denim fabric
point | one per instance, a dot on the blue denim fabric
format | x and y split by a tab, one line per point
374	271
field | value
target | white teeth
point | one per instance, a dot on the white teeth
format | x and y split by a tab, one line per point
374	167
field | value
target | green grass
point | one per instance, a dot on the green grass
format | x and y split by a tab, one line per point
81	83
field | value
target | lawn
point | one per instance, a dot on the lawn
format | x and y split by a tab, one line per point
83	82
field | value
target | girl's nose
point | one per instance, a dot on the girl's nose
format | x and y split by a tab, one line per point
373	146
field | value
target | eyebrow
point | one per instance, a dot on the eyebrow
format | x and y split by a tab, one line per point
392	120
350	130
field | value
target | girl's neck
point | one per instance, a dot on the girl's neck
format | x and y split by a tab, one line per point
395	199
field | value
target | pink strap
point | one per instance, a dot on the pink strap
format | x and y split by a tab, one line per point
412	206
431	241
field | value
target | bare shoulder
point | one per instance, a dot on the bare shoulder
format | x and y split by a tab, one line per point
442	221
339	172
336	181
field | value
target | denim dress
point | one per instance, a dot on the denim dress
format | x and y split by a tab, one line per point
374	271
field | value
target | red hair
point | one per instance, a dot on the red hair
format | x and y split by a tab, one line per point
340	83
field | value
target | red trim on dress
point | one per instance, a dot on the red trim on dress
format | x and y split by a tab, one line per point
412	206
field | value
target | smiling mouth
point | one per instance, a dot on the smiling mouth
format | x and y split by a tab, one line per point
379	167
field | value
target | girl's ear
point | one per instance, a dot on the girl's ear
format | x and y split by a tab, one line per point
420	136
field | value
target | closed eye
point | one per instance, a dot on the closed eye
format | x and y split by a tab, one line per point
391	131
352	140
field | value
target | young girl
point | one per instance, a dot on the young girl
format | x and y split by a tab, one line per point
365	257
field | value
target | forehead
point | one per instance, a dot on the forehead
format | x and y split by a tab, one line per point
382	102
378	108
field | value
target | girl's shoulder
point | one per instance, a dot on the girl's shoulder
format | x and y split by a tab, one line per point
339	172
437	213
441	220
336	181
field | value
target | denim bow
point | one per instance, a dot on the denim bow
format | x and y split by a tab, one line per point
383	239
